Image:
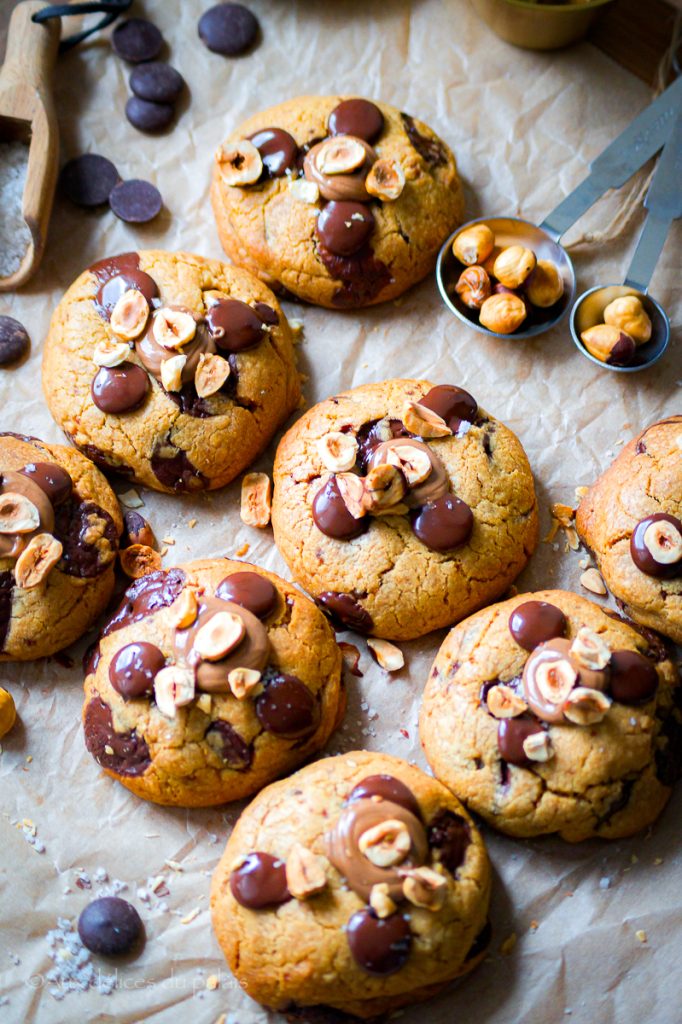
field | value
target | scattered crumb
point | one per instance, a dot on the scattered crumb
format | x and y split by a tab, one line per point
131	499
641	936
658	860
508	945
591	580
534	925
174	865
168	540
243	550
212	982
188	918
192	523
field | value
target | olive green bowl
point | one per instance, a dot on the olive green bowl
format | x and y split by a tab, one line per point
538	26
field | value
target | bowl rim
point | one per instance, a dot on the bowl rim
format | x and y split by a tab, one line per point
566	8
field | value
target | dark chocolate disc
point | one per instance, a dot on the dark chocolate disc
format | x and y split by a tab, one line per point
511	733
148	115
119	389
331	515
443	524
643	557
250	590
135	201
234	325
287	707
137	40
267	314
87	180
133	668
534	622
453	404
345	612
633	678
51	478
343	227
278	151
113	287
110	926
388	788
145	596
260	881
228	28
357	117
380	945
125	753
449	834
156	82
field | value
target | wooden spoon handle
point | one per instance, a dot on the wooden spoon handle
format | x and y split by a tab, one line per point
31	48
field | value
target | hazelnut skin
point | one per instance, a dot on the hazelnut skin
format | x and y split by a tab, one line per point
513	265
137	531
503	313
609	344
628	313
473	287
474	244
8	714
545	285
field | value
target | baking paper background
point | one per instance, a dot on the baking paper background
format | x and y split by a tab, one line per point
524	127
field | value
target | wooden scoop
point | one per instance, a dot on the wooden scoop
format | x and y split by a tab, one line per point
27	115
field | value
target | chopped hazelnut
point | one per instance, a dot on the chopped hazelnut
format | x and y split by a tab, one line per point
513	265
609	344
137	530
183	612
305	191
555	680
211	373
545	285
424	422
589	650
386	844
424	887
474	244
352	490
384	487
244	683
380	901
340	154
37	560
585	706
173	688
240	163
173	328
110	353
502	702
221	634
139	560
204	703
386	654
386	180
628	314
473	287
503	313
414	463
538	747
256	499
130	314
305	872
17	513
171	372
338	451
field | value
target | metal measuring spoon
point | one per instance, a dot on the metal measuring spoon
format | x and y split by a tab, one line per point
626	154
664	205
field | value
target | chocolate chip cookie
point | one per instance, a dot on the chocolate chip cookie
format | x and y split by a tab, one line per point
209	681
170	369
403	506
631	519
359	883
60	526
339	200
546	713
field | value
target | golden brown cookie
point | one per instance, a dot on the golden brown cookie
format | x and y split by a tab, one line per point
359	883
547	714
171	369
209	681
340	201
60	526
402	506
631	519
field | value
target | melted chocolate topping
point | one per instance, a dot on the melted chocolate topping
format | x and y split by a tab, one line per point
260	881
51	478
370	436
130	752
119	389
343	227
345	611
449	835
443	524
144	597
6	588
534	622
226	741
453	404
356	117
363	277
88	535
278	151
431	150
634	680
115	276
379	945
133	668
287	707
511	733
250	590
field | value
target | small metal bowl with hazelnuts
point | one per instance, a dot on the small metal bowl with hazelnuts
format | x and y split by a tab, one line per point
505	277
620	328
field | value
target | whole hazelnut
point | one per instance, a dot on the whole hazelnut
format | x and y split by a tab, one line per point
503	313
628	313
473	287
545	285
609	344
501	289
136	530
513	265
474	244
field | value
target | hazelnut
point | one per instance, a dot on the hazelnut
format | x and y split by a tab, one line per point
628	314
424	887
503	313
305	191
609	344
204	703
256	499
384	487
489	262
424	422
352	490
545	285
139	560
386	844
17	514
244	683
341	154
473	287
663	541
137	530
173	688
538	747
585	706
239	163
338	451
589	650
513	265
555	680
184	610
474	244
591	580
110	353
386	180
37	560
414	463
173	328
305	872
211	373
387	655
502	702
8	712
221	634
380	901
130	314
171	372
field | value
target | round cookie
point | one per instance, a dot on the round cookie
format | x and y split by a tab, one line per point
209	681
170	369
631	520
60	526
306	918
341	201
402	507
547	714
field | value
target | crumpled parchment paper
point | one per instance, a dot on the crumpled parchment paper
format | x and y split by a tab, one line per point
524	127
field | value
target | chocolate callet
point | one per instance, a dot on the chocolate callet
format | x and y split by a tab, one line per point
250	590
129	752
443	524
431	150
86	532
619	803
449	834
51	478
116	275
379	945
633	678
6	588
144	597
453	404
345	611
332	516
287	707
177	472
278	151
368	439
235	752
133	669
388	788
260	881
358	117
119	389
535	622
511	733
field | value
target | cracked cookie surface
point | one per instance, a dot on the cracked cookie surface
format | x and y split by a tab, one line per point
298	953
268	229
212	746
168	439
644	480
388	581
610	778
79	511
